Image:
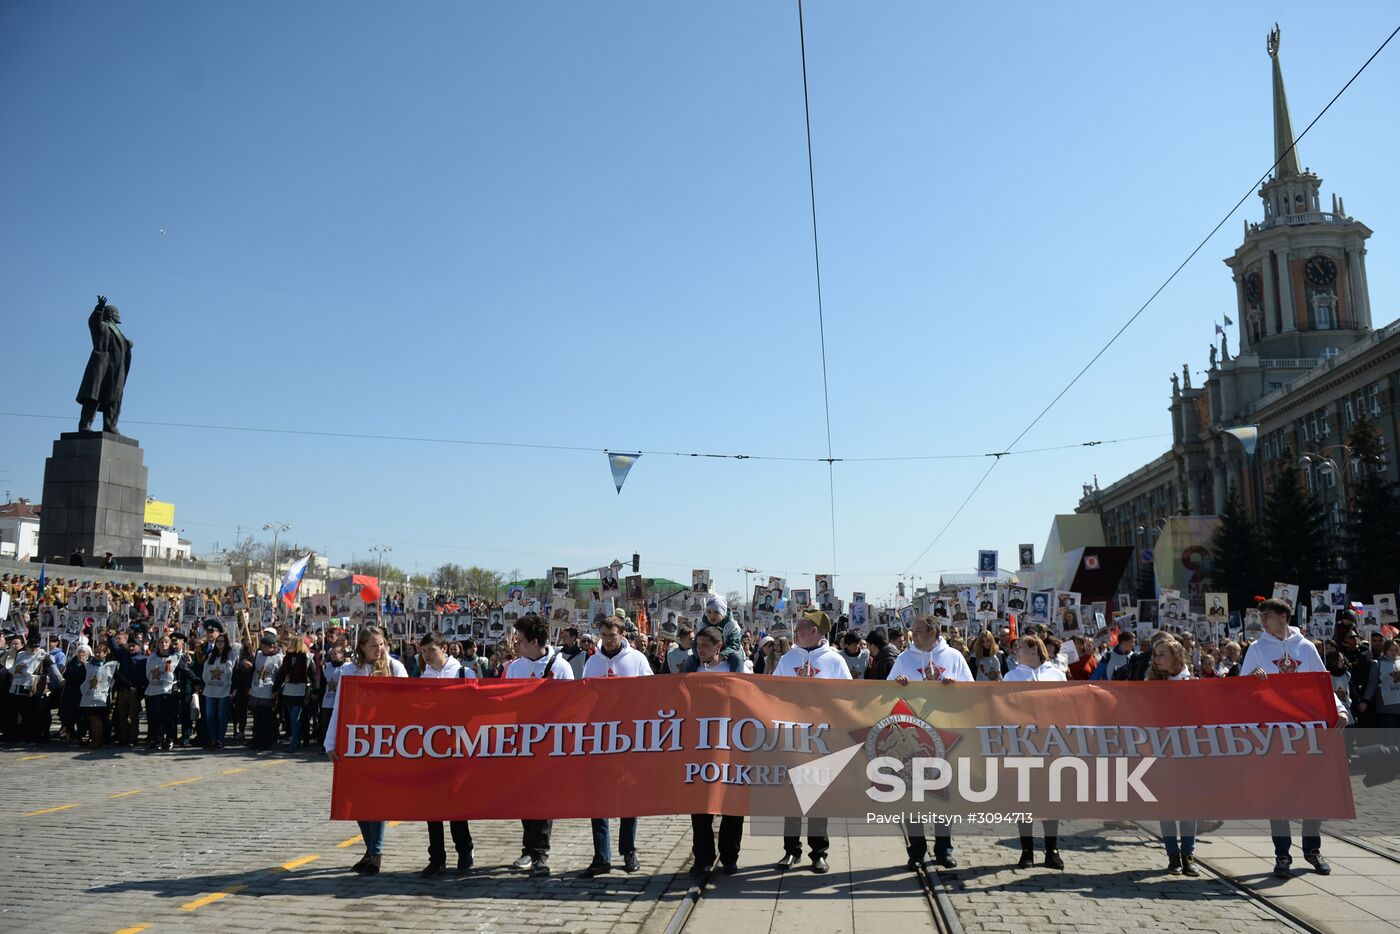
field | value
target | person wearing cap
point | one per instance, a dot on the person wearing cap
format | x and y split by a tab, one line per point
930	658
130	653
615	659
260	696
717	614
33	668
811	656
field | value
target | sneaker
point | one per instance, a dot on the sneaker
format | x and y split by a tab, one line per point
597	869
1281	867
524	862
1027	859
1053	861
819	865
435	867
539	867
1318	863
1188	866
1174	864
631	863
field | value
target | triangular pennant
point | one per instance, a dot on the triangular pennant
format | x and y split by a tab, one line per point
1248	435
620	464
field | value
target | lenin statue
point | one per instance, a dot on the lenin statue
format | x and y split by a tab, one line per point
105	376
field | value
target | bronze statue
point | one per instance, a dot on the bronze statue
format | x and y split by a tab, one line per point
105	376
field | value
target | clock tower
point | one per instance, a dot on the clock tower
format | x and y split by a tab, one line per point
1300	275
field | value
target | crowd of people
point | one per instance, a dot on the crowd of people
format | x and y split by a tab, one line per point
199	685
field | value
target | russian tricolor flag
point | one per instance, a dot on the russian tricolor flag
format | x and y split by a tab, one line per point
291	581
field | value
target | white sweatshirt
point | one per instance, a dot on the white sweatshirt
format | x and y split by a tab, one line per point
265	674
820	662
627	663
1046	672
351	670
331	672
163	668
450	669
524	668
942	661
218	676
1293	653
97	683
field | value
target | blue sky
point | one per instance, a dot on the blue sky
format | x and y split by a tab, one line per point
588	224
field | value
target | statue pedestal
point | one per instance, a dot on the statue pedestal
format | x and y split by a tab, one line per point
94	497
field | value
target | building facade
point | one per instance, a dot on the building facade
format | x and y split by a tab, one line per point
1310	366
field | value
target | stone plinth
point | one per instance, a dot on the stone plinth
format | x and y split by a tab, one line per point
94	497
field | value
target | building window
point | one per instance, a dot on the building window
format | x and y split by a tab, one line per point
1274	387
1350	413
1374	399
1324	311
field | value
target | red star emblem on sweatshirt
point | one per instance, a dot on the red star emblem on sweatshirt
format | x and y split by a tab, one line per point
806	671
1286	665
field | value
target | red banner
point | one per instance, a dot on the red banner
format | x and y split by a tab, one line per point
1217	748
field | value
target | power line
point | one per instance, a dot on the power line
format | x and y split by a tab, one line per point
1151	298
365	436
817	259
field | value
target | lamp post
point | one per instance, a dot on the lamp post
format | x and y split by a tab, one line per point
276	528
381	550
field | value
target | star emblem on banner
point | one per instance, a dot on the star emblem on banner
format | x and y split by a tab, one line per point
904	735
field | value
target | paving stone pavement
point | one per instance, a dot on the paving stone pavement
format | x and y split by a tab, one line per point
189	841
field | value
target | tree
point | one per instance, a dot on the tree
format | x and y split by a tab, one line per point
1295	544
1236	567
451	578
420	582
1371	537
483	583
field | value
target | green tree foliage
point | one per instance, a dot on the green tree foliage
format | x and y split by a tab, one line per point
1236	562
1295	543
1371	538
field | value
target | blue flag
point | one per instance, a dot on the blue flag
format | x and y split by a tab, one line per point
43	579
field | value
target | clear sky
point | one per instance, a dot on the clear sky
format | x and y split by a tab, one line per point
588	224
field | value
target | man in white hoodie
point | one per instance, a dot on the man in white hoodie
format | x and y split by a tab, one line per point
1281	650
438	664
811	656
614	659
930	658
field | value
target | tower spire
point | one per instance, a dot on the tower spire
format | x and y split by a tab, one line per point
1285	153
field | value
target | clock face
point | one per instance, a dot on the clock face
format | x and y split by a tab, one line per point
1320	271
1253	288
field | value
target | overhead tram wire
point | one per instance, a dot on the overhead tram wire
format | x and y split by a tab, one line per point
365	436
1151	298
817	259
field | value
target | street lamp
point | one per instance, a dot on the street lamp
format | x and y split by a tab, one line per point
276	528
380	550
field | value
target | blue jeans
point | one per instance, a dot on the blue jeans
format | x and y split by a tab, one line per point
602	842
1283	836
216	718
373	832
294	705
1185	845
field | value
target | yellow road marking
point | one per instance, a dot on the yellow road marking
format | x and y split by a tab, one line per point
126	794
233	771
344	843
183	781
61	807
268	765
42	755
211	898
300	861
134	930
